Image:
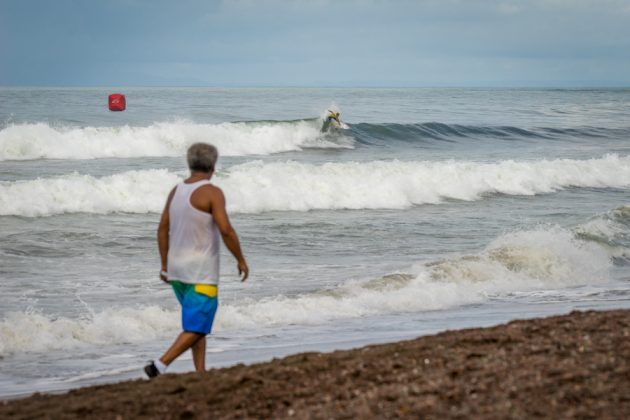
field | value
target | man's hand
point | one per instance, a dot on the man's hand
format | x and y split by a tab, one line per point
243	270
164	275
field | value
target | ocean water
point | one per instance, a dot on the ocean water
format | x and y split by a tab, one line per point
436	209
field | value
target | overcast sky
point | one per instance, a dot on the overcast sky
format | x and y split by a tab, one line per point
315	42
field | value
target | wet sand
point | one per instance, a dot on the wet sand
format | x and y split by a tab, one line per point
572	366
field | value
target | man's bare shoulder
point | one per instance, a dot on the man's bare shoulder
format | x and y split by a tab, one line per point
211	190
209	193
207	197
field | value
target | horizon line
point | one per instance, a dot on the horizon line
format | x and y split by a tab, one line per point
524	85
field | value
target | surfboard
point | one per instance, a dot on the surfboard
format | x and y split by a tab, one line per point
330	125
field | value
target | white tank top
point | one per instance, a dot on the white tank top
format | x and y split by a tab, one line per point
193	246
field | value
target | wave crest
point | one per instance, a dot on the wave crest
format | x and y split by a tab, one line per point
256	187
611	230
45	141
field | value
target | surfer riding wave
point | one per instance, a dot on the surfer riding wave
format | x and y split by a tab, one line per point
333	121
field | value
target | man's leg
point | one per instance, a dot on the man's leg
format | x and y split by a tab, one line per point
199	354
183	342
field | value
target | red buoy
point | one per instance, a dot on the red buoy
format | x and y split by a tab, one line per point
117	102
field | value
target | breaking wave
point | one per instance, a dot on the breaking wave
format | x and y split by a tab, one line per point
46	141
256	187
547	258
611	230
43	140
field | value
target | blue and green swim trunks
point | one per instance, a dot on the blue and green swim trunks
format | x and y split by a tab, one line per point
199	305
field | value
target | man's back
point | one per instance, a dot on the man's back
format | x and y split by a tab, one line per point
194	245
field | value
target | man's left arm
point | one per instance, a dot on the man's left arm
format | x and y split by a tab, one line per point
230	238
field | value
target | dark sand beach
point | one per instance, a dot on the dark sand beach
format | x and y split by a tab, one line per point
572	366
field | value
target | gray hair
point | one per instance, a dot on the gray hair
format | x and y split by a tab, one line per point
202	157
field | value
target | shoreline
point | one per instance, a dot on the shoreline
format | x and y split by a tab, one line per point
575	365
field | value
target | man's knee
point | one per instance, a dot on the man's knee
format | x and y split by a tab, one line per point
200	340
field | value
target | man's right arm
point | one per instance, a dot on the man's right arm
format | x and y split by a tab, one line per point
162	235
230	238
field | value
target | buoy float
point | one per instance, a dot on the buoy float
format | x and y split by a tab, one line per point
117	102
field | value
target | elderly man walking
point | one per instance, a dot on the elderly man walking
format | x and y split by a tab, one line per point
188	240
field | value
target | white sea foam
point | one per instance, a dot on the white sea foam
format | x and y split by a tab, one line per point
36	332
256	187
549	258
543	259
610	229
133	191
45	141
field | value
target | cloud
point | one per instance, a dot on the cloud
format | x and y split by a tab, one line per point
509	8
300	42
